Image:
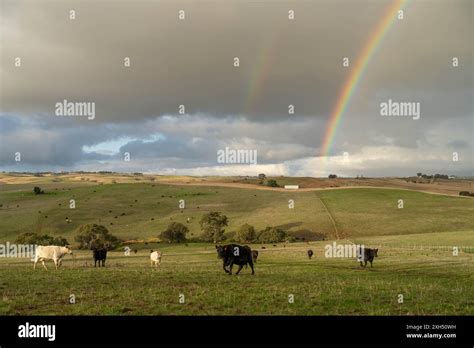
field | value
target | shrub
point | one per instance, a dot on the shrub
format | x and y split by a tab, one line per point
272	235
464	193
332	176
212	225
246	233
91	236
37	190
272	183
175	233
34	238
61	241
27	238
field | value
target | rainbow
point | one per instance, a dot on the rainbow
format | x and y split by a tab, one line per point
356	73
260	71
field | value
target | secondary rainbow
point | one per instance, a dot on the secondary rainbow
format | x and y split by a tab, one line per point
356	73
261	70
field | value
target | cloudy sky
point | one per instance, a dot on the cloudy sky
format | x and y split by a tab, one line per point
190	62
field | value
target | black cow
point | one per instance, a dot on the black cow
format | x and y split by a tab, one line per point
310	253
254	256
367	255
99	255
235	254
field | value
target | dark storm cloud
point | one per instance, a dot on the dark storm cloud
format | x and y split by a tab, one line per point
189	62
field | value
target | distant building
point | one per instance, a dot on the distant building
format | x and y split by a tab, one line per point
451	177
292	187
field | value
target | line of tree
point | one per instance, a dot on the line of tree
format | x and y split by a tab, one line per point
213	228
91	236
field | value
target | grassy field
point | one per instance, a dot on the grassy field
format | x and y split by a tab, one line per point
139	210
432	281
442	186
415	251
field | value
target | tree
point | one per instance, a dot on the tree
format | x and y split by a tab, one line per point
44	240
175	233
212	224
246	233
60	241
419	174
332	176
90	236
272	235
272	183
27	238
37	190
262	178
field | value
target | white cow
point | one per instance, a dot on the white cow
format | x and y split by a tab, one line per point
155	258
51	252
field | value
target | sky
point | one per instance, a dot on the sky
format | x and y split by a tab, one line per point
190	62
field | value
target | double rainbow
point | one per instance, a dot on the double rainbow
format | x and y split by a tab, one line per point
356	73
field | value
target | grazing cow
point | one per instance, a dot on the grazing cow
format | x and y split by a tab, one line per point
51	252
366	254
99	255
254	256
155	258
310	254
235	254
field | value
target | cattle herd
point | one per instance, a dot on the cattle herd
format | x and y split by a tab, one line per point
231	254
